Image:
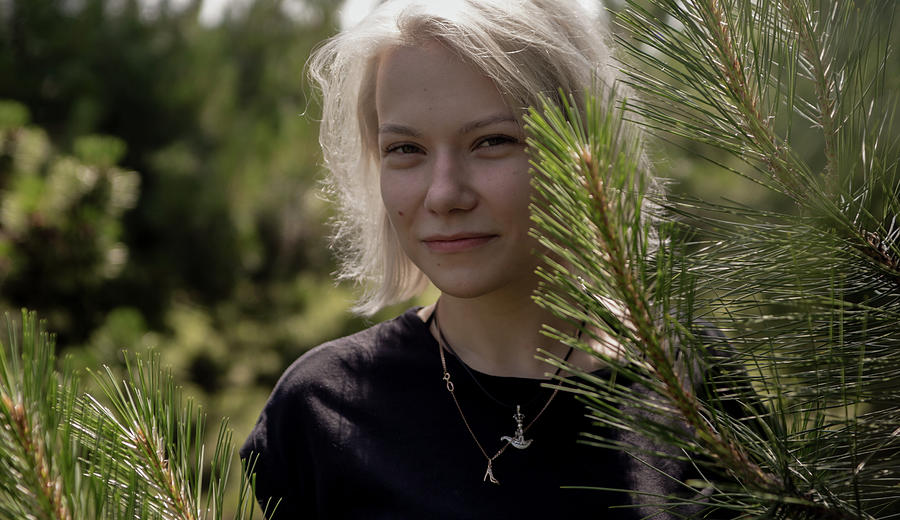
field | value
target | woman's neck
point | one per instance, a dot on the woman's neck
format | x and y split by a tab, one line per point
499	337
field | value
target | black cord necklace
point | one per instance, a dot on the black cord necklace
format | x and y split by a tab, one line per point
474	376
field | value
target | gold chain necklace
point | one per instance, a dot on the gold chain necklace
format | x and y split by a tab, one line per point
518	440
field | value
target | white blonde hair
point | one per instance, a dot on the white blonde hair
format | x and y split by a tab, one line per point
528	48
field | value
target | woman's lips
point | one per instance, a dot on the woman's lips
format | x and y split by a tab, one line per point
457	243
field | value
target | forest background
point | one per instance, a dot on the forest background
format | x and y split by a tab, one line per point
159	188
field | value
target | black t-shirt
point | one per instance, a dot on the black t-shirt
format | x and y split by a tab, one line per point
364	427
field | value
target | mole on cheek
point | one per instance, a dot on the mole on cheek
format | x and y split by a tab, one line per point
400	213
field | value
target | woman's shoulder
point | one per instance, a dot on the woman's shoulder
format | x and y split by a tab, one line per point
356	354
332	377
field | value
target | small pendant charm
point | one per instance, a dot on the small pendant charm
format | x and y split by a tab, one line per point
489	475
519	441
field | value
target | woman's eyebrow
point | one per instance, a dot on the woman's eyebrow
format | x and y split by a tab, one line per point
487	121
389	128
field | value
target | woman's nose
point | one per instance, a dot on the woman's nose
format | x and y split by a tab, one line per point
448	187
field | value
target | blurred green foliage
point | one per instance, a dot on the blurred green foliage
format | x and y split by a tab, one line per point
60	218
159	190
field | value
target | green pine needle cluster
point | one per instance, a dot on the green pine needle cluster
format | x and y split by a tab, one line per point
44	475
135	452
794	411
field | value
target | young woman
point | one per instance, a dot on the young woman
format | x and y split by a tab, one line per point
442	412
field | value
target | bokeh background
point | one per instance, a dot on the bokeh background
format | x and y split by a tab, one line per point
159	187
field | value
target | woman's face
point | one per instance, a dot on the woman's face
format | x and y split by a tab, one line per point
454	173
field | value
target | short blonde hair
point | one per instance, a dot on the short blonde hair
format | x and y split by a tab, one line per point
528	48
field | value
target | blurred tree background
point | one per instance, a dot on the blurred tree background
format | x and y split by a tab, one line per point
159	188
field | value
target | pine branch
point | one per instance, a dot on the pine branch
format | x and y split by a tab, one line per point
34	436
810	303
142	455
593	164
139	431
730	110
706	81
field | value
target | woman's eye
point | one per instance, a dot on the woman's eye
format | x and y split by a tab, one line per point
496	140
401	149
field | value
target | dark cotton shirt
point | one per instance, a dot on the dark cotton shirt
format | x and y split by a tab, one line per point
363	427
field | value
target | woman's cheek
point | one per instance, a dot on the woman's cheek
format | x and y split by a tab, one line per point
397	197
